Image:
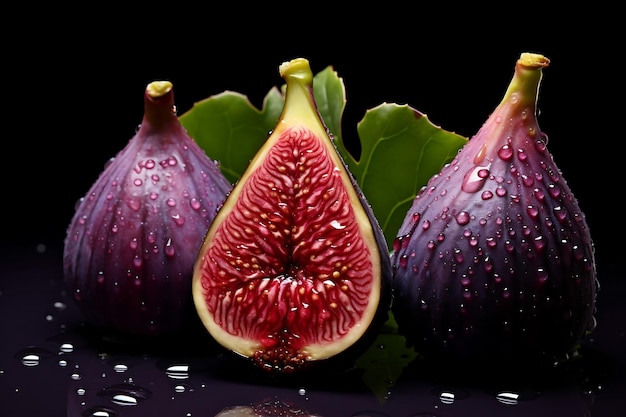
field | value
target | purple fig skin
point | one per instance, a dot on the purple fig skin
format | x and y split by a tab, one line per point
495	257
133	239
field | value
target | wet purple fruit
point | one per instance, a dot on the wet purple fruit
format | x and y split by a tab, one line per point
132	242
295	269
495	255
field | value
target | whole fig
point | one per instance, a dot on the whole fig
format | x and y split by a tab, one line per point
294	269
495	257
133	239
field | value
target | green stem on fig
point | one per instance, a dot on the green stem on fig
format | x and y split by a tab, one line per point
158	88
526	80
300	107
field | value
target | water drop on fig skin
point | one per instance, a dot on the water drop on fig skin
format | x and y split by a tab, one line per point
517	254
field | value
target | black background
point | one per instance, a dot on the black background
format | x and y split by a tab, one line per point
72	92
75	81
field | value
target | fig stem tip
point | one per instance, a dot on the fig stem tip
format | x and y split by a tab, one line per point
158	88
532	60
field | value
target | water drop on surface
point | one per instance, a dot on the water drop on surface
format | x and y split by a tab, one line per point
66	348
99	412
32	356
60	305
125	394
513	397
177	371
120	367
446	397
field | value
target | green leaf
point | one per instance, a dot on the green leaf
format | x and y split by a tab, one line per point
330	97
400	150
383	363
230	129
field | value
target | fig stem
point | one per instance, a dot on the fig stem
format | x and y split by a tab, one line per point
526	80
158	88
300	107
159	108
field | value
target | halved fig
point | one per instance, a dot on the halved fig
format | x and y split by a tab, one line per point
294	269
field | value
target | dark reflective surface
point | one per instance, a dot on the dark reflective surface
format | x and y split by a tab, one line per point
51	364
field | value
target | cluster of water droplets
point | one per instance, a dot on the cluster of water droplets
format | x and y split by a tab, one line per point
118	373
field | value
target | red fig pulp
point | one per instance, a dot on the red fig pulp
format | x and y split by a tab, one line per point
294	269
132	242
495	256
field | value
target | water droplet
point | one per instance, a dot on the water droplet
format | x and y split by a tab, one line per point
542	276
169	248
134	204
125	394
463	218
505	153
120	367
486	195
99	411
336	225
522	155
532	211
67	348
555	191
480	155
177	371
397	243
513	397
195	203
539	243
32	356
474	179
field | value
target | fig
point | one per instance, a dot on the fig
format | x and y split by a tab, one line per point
294	270
134	237
495	258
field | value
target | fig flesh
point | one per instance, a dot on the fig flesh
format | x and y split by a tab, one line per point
495	257
133	239
295	268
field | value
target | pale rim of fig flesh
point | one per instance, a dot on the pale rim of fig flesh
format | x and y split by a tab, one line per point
299	114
